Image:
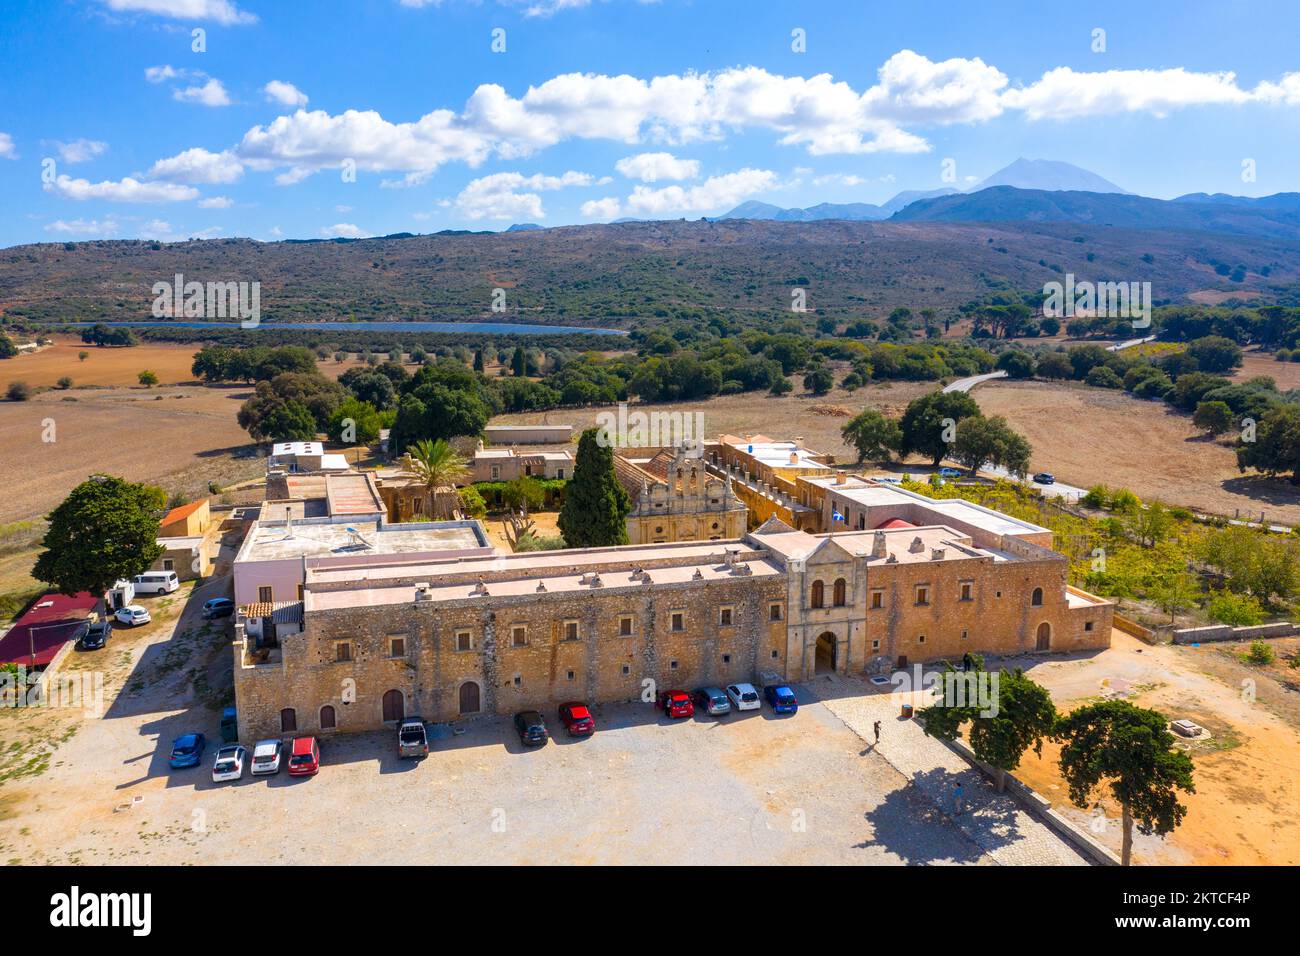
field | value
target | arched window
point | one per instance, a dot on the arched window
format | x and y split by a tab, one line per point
394	706
1037	599
840	597
818	594
288	721
328	720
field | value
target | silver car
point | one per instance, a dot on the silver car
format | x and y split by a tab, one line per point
744	697
713	701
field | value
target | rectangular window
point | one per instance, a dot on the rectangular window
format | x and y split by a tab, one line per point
264	595
726	658
672	665
877	600
967	590
169	564
965	634
342	651
724	616
627	670
397	647
570	630
571	675
922	594
776	655
519	636
464	640
677	621
774	612
875	645
920	638
625	624
1087	625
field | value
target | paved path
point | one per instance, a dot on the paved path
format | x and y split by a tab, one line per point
995	822
966	384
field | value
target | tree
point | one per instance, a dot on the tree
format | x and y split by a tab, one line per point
818	380
874	436
147	378
18	391
355	422
1003	727
1214	353
284	421
437	468
106	529
1213	417
595	503
1150	525
1132	748
1276	448
983	440
925	424
1178	593
1017	363
7	347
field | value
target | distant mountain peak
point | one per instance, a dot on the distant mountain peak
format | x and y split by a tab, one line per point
1051	175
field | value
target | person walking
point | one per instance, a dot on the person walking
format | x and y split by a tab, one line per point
967	661
958	802
876	728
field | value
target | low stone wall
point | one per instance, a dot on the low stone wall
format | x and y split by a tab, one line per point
1121	623
1224	632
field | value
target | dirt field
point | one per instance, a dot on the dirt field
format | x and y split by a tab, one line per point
102	366
1247	775
180	437
1087	436
817	420
1286	374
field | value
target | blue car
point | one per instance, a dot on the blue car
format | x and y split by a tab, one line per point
781	698
187	751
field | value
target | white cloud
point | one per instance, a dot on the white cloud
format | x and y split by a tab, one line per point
156	229
840	179
295	175
607	208
211	93
652	167
125	190
715	192
220	11
157	74
79	150
216	202
501	195
198	165
286	94
7	150
84	227
1063	93
345	230
275	231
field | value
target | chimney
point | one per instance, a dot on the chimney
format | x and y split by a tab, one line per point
794	458
878	545
288	522
936	554
422	592
917	545
840	478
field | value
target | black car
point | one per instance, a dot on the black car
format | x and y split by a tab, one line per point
1045	478
96	635
531	727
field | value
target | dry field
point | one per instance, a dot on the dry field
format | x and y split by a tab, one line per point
102	366
179	437
817	420
1087	436
1286	374
1247	775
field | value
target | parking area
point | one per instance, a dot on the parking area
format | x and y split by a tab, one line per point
750	787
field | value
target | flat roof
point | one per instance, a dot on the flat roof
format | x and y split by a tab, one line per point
776	454
955	545
957	509
305	539
52	620
297	448
352	494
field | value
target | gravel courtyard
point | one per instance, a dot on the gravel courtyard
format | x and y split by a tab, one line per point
751	788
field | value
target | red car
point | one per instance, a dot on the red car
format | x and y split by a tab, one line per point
577	719
676	703
304	757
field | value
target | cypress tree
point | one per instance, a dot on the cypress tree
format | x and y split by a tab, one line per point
595	504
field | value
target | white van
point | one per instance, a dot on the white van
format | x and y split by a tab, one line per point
156	582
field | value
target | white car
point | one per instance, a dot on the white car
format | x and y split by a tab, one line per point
229	764
266	757
743	697
133	614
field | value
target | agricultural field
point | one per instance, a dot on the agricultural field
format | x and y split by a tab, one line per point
1087	436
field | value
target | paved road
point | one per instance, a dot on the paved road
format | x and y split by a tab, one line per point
966	384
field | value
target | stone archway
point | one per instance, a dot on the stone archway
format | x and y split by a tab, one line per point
826	656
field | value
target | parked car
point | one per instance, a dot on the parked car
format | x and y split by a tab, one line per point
888	479
133	614
782	698
743	697
412	739
187	751
229	726
96	635
676	703
531	727
229	764
156	582
577	719
1045	478
304	757
949	473
713	700
218	607
266	757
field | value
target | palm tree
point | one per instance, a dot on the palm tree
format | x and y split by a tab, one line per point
437	467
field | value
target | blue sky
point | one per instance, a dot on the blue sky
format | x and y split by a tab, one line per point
113	126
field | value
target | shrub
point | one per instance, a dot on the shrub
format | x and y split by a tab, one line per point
1124	501
1237	610
1099	376
65	382
18	392
472	503
1260	653
1098	496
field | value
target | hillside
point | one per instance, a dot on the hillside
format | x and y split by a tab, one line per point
630	274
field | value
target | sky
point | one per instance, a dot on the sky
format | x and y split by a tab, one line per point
270	119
